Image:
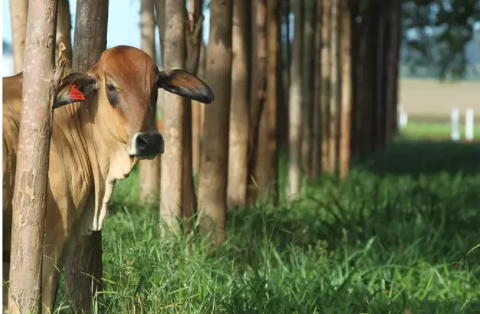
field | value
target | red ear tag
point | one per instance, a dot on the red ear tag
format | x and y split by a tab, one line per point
75	94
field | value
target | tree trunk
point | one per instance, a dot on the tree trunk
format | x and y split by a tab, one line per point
193	41
83	263
197	120
149	169
271	110
257	97
30	193
334	88
392	68
160	9
325	96
308	82
295	107
346	86
64	28
283	72
18	16
380	106
239	114
173	115
213	173
316	141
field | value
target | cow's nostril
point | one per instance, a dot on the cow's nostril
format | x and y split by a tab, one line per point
142	142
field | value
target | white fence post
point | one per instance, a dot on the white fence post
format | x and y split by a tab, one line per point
469	124
455	124
402	117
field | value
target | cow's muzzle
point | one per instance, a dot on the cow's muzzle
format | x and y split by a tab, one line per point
147	145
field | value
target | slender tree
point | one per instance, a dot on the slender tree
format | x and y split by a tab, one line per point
30	192
258	114
173	115
316	141
308	82
18	17
295	106
64	27
149	169
83	264
193	44
325	96
346	88
239	114
197	116
213	173
334	118
257	172
272	93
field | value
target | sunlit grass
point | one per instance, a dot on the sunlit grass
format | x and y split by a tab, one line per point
397	236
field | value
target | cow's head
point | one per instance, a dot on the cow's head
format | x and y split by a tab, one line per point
122	91
126	80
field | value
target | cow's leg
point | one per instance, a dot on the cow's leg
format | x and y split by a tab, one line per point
53	260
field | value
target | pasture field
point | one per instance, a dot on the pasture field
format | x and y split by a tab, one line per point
399	235
429	99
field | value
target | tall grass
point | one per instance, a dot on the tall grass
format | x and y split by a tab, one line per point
391	238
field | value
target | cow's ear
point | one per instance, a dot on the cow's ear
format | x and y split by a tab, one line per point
75	87
185	84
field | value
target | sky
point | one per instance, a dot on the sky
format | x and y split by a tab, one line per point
123	23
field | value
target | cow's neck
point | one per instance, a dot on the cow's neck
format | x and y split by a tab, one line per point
88	163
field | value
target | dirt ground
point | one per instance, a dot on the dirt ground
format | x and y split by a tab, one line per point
425	99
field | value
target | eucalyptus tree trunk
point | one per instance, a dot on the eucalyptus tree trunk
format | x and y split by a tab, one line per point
257	172
18	17
83	263
316	141
149	169
30	192
239	113
212	192
346	88
295	107
173	118
308	82
334	88
325	96
193	43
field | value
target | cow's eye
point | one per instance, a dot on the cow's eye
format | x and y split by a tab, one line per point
110	88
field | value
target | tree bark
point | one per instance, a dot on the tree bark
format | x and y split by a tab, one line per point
239	114
18	16
308	83
393	68
316	141
325	97
213	173
295	107
283	72
197	120
380	105
346	86
30	193
173	115
90	41
149	169
257	96
258	122
193	41
64	28
160	9
272	92
334	88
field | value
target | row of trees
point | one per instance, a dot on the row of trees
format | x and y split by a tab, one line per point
326	98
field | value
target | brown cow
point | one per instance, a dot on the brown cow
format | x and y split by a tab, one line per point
94	143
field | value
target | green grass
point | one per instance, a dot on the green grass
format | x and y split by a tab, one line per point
434	130
397	236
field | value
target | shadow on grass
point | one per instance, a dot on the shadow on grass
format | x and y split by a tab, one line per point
417	157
